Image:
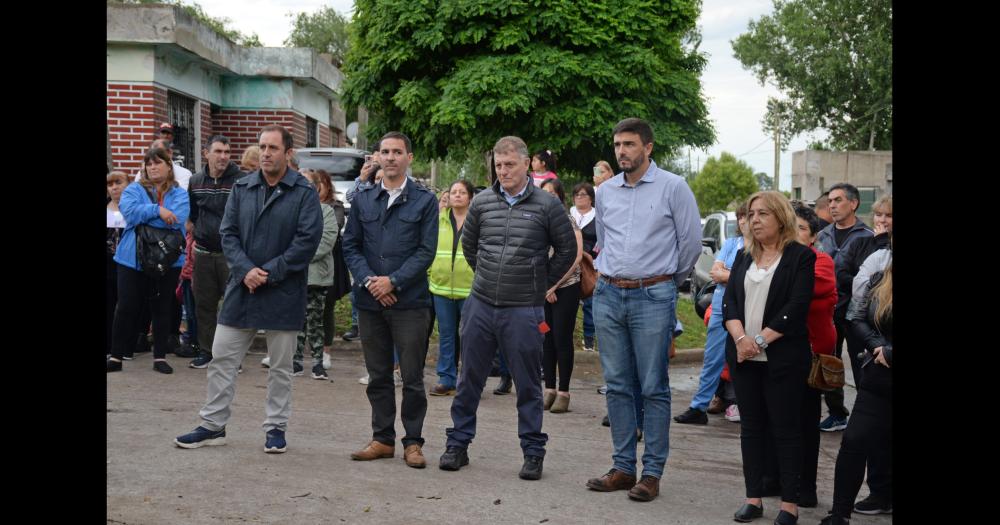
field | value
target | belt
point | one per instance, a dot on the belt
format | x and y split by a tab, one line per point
636	283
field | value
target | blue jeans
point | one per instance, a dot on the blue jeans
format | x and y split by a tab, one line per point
448	312
715	358
189	311
354	310
635	326
588	317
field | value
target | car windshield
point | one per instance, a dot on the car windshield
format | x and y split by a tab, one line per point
340	168
732	229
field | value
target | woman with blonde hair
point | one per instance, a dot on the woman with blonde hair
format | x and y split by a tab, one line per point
765	308
157	201
869	431
602	172
251	159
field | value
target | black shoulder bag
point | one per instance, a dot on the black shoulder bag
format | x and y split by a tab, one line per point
157	249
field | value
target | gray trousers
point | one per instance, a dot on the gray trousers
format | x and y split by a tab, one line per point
228	350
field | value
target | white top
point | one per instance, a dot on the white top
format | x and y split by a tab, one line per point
757	283
394	194
583	219
115	219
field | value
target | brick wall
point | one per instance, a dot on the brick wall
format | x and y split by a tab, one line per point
206	125
324	136
131	118
241	126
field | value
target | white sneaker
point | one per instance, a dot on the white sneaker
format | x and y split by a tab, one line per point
266	362
733	413
363	380
397	377
326	361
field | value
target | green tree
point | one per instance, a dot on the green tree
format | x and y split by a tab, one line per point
325	31
219	25
722	182
764	182
833	60
459	74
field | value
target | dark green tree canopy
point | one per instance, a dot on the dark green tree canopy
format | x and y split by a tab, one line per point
722	182
833	60
325	31
558	73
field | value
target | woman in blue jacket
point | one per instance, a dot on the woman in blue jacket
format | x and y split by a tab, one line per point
157	200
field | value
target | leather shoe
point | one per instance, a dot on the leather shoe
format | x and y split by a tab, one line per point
647	489
692	416
532	468
454	458
716	405
374	450
548	399
414	456
786	518
441	390
612	481
504	387
833	519
560	405
748	513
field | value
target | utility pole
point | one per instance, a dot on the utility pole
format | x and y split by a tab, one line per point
777	151
433	174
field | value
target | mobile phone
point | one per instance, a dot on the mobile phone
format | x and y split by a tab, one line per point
597	171
368	158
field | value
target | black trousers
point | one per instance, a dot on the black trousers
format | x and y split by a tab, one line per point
209	278
329	322
111	299
769	406
558	345
406	330
134	289
868	437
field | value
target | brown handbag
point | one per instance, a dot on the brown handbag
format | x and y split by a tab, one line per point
588	276
827	372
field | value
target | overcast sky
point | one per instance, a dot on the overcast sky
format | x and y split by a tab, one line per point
737	102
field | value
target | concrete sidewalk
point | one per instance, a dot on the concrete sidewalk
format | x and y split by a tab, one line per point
149	480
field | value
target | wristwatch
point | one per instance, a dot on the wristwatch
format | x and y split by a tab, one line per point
759	339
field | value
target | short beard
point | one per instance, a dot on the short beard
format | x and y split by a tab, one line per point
635	165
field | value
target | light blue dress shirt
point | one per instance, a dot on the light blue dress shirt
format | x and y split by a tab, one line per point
652	228
512	199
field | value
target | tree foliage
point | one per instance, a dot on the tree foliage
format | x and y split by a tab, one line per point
325	31
833	60
219	25
459	74
723	181
764	182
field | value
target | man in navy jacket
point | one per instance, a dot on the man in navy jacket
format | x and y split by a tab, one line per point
270	231
389	243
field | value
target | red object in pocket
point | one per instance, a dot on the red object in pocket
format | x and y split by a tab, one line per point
725	373
543	327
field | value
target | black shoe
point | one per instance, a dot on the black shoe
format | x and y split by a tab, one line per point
319	372
454	458
748	513
606	422
786	518
186	351
532	468
808	500
833	519
114	366
693	416
352	334
162	367
297	369
504	387
202	361
873	505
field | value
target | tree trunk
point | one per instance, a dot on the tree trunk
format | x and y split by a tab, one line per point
871	140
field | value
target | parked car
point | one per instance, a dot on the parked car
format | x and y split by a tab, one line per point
343	165
718	227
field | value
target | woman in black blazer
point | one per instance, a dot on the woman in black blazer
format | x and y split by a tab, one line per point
765	309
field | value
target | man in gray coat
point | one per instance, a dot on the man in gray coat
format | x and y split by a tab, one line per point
271	229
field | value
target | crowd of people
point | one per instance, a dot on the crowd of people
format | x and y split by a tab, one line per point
500	271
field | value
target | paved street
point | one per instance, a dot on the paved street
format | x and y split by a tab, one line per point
151	481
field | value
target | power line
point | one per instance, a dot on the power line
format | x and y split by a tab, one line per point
755	147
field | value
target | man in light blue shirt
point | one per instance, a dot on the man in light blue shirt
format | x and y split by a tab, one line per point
649	234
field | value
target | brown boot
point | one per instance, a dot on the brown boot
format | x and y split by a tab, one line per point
612	481
414	457
646	489
374	450
548	399
561	404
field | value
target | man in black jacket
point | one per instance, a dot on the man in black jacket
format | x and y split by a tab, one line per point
389	243
506	240
208	192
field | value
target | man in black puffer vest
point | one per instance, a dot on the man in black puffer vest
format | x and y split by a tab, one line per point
506	240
